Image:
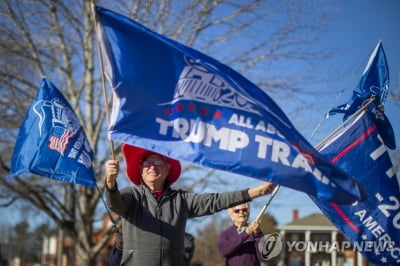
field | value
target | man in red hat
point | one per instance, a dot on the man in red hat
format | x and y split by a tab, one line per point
154	214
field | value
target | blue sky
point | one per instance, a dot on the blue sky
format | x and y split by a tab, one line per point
356	29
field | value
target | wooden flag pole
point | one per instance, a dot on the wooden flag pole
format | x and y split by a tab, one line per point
103	84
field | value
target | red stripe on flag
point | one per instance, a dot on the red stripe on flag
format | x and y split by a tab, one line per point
344	217
355	143
335	159
60	144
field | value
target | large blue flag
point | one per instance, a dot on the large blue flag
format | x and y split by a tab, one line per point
174	100
372	226
374	82
51	141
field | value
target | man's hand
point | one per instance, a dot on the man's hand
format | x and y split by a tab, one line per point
112	170
261	190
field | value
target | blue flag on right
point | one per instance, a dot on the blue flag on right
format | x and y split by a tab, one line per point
372	226
374	82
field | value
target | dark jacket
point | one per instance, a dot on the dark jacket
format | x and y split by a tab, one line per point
114	257
153	231
240	249
189	246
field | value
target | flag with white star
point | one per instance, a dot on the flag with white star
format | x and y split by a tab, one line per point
373	225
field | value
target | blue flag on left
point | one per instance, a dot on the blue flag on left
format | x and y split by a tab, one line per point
51	141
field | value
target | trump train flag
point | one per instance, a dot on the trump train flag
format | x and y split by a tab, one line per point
374	82
51	141
372	226
179	102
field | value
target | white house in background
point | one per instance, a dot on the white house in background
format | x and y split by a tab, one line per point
313	240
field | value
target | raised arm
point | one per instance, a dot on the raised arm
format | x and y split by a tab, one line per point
112	170
261	190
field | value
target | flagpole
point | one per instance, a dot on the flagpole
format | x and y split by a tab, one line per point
114	226
370	100
260	214
275	191
333	104
103	84
325	116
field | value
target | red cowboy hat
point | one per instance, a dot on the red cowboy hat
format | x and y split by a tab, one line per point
134	156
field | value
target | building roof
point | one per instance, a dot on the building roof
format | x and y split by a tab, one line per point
318	219
314	221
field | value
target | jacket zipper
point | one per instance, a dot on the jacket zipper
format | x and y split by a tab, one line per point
159	216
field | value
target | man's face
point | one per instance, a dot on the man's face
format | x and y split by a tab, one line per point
154	169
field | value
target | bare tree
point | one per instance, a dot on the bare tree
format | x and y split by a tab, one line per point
268	224
57	39
206	243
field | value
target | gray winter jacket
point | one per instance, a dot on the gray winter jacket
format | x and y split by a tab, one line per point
153	231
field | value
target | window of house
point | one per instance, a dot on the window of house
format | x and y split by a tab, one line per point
345	261
294	261
320	237
294	237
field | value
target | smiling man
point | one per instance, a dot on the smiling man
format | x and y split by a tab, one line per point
155	215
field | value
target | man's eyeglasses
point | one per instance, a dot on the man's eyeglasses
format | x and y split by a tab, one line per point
149	163
240	210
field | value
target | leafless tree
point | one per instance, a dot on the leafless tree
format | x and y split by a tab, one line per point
56	39
206	251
